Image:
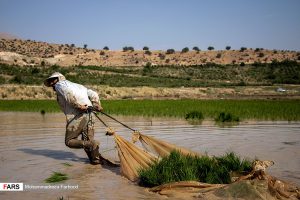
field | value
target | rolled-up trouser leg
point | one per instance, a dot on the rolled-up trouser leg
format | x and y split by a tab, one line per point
74	129
93	154
82	125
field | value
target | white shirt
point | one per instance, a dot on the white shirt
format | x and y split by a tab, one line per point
71	96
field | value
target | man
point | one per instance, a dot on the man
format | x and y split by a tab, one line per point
75	101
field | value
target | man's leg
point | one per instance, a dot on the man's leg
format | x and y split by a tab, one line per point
93	153
73	130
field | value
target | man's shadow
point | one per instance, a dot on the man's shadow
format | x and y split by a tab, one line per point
55	154
64	156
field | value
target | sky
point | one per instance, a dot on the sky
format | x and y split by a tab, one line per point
157	24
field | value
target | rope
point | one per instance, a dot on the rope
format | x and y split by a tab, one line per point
100	119
117	121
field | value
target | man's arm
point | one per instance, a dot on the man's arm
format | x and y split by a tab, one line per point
94	97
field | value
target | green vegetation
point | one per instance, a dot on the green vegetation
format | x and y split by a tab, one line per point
67	164
244	109
228	48
195	48
185	50
56	177
210	74
194	115
210	48
226	117
177	167
170	51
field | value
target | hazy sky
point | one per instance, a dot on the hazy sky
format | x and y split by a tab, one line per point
158	24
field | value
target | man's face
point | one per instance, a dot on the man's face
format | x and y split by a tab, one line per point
53	82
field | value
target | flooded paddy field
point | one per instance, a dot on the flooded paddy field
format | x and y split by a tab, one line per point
32	148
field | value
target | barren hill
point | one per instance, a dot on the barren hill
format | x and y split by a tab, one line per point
28	52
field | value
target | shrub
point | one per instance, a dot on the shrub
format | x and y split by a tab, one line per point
261	54
210	48
228	47
161	56
125	48
147	52
242	64
102	53
170	51
219	55
35	70
185	50
145	48
226	117
130	48
196	49
257	50
106	48
243	49
147	69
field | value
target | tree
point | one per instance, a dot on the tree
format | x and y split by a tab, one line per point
196	49
228	48
243	49
185	50
210	48
72	45
131	48
145	48
170	51
106	48
85	46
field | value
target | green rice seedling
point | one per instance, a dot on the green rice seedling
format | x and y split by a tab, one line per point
178	167
234	163
227	117
246	109
67	164
56	177
194	115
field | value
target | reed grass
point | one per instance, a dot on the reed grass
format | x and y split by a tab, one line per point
178	167
244	109
56	177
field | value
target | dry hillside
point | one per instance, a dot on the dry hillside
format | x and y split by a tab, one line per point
29	52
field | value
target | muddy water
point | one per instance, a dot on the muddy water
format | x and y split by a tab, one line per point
32	147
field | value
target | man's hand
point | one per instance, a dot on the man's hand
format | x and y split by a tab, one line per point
97	107
83	107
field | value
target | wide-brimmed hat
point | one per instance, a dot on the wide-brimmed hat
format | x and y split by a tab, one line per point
57	75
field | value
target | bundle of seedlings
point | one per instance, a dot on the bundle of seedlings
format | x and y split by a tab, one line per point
177	167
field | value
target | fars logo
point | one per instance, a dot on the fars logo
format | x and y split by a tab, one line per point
11	186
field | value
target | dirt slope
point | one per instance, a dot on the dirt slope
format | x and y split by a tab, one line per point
28	52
